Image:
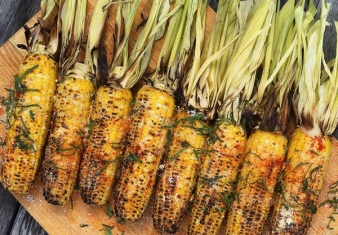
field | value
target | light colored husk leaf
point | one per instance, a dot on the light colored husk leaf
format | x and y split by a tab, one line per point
247	56
311	98
328	93
153	30
201	85
67	23
44	37
95	30
125	16
179	42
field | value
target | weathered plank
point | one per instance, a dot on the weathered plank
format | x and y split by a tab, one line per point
13	14
9	207
25	224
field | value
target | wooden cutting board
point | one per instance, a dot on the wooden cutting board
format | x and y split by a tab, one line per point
79	218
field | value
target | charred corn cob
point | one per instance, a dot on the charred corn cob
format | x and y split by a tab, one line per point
310	146
144	150
175	186
29	105
301	182
186	139
63	151
153	111
72	106
104	147
217	179
29	122
263	160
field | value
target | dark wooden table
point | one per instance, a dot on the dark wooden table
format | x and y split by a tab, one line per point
14	219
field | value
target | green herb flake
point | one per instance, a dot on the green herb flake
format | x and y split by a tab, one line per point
211	181
314	152
107	228
110	213
83	225
32	115
132	157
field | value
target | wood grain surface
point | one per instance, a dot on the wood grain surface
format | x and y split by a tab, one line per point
25	224
79	218
9	208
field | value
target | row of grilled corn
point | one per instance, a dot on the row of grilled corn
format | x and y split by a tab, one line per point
151	126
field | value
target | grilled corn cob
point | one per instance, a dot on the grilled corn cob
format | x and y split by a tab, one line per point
104	147
154	110
144	149
216	184
63	151
177	182
29	104
310	147
186	139
302	180
72	106
30	122
217	179
263	160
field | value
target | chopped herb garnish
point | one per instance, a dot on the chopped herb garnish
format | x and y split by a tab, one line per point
211	181
184	145
332	201
110	213
83	225
107	228
199	152
52	165
107	163
24	142
191	120
132	157
89	128
136	110
133	101
25	107
314	152
32	115
227	198
109	210
73	148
